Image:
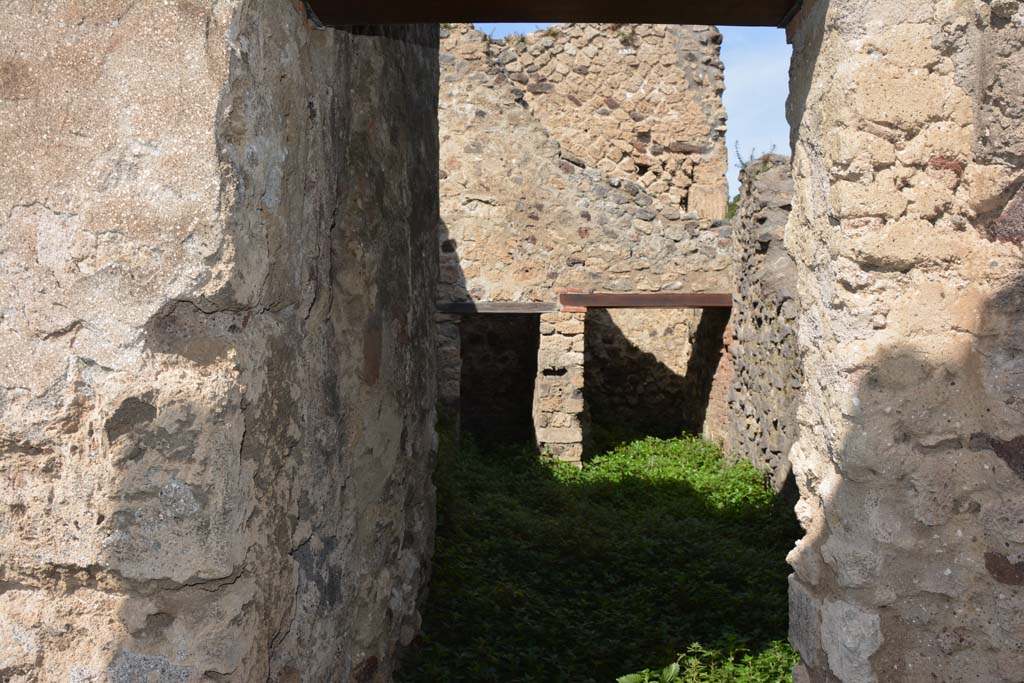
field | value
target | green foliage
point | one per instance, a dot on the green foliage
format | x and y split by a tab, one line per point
702	665
546	573
734	206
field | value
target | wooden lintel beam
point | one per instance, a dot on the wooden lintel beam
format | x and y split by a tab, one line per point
645	300
720	12
473	307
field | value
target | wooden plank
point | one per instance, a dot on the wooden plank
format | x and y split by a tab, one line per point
720	12
473	307
645	300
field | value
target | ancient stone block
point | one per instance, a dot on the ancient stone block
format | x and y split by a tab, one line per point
850	635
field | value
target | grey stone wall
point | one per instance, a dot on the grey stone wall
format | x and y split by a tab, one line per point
217	259
766	380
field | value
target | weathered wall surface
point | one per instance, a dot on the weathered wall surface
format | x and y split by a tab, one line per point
520	221
907	230
216	385
762	399
640	102
526	213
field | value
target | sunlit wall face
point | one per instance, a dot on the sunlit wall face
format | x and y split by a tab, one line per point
756	85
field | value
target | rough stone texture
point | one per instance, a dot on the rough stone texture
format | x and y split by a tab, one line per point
907	154
519	220
523	216
216	347
558	411
641	102
766	378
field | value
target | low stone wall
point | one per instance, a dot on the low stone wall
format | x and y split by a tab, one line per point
767	378
217	390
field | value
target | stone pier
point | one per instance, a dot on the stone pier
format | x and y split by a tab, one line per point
558	414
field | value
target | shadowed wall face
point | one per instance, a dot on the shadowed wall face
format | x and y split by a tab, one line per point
499	365
659	384
216	342
763	394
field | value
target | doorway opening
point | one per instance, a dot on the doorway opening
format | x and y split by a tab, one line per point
499	366
584	190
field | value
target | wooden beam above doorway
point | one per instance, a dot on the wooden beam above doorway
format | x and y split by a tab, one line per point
472	307
720	12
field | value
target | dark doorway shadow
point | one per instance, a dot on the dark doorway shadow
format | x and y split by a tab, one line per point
629	393
499	367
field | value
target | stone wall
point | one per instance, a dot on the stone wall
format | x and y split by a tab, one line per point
906	230
640	102
216	347
766	379
522	217
526	210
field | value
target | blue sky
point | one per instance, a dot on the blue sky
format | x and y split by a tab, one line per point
756	84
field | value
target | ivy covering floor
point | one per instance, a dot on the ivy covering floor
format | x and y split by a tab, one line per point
545	573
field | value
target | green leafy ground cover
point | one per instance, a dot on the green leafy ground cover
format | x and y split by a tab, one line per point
546	574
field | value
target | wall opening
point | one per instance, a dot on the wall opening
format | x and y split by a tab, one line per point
588	163
499	367
658	383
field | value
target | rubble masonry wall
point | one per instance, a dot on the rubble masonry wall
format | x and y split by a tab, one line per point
765	388
532	202
217	269
906	229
